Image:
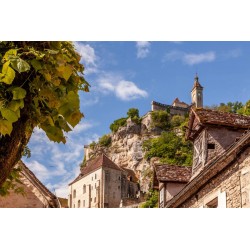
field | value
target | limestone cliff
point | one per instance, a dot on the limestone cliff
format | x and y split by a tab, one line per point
126	148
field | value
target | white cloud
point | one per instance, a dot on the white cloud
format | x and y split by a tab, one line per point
82	126
124	90
127	91
88	58
190	58
85	102
142	49
43	173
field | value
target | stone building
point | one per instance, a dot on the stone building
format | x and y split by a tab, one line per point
221	161
102	183
169	180
182	108
36	195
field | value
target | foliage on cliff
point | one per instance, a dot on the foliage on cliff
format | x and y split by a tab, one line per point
171	146
105	141
117	124
160	119
133	113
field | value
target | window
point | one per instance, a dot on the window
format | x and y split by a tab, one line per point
95	199
92	178
217	199
119	187
74	193
95	176
83	203
210	146
79	203
162	195
84	189
95	185
213	203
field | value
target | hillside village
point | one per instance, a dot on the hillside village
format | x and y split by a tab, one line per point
217	177
210	169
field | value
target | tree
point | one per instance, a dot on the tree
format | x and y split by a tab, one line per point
39	84
245	110
133	112
161	119
105	141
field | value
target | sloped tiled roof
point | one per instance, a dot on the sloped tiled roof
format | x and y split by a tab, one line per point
207	116
172	173
211	169
63	202
93	164
176	100
27	173
200	117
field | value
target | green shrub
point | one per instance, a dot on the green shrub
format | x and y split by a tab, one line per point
176	121
117	124
105	140
161	119
152	200
133	112
92	144
171	148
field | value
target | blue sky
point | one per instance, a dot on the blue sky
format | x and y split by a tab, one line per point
132	74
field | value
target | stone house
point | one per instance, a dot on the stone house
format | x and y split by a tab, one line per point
221	161
100	184
169	180
36	195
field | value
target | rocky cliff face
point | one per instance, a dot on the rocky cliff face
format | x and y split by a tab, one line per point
126	148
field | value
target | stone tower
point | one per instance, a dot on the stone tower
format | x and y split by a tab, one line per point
197	93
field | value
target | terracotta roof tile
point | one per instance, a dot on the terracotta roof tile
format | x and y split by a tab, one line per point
172	173
207	116
93	164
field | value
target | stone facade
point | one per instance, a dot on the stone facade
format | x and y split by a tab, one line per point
231	186
221	167
173	110
102	184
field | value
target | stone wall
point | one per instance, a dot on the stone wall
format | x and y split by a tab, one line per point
104	187
90	197
232	186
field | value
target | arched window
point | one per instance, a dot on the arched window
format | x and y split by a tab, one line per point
74	193
84	189
79	203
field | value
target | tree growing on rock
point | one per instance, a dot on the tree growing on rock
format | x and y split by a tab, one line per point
39	84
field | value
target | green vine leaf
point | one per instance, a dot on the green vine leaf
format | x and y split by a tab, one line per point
20	65
18	93
5	127
8	74
36	64
9	115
